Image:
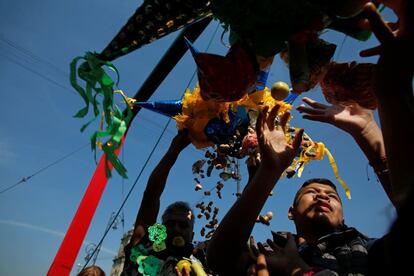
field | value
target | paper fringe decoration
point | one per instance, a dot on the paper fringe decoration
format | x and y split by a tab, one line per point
98	84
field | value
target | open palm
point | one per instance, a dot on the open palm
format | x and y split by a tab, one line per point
353	119
275	152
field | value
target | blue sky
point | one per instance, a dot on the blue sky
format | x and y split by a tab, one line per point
38	39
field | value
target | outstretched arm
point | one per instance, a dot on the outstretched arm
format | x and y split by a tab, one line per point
360	124
150	204
225	251
394	90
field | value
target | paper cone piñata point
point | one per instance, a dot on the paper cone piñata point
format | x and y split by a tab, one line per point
194	51
168	108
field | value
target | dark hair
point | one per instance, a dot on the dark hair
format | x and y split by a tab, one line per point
178	207
310	181
92	271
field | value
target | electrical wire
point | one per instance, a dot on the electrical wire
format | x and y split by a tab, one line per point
37	73
32	55
26	178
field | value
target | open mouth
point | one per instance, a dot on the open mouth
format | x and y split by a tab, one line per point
323	206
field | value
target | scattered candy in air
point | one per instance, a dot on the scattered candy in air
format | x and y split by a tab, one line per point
265	219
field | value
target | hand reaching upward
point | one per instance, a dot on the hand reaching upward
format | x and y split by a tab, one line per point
396	62
353	119
276	153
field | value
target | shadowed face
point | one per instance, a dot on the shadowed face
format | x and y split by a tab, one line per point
317	205
179	229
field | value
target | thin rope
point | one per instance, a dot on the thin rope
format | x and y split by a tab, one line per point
341	46
122	191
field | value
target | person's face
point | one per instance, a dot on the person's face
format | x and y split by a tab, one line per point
179	229
317	203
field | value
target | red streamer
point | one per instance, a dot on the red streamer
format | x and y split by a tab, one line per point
69	249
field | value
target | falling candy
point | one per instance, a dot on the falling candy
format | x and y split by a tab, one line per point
265	219
210	234
198	165
209	206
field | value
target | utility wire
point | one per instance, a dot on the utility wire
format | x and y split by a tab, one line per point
38	59
37	73
32	55
27	178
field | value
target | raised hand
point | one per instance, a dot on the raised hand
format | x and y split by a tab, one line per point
396	62
275	152
285	260
394	90
259	268
360	123
225	253
353	119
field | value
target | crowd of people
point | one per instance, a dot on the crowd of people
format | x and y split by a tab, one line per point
323	244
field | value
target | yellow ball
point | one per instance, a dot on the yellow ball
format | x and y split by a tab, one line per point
180	265
279	90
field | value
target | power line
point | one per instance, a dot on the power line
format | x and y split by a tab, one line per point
38	59
26	178
32	55
34	59
37	73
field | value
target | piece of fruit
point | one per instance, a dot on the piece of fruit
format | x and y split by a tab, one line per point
184	263
279	90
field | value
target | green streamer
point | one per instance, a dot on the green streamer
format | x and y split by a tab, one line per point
98	84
